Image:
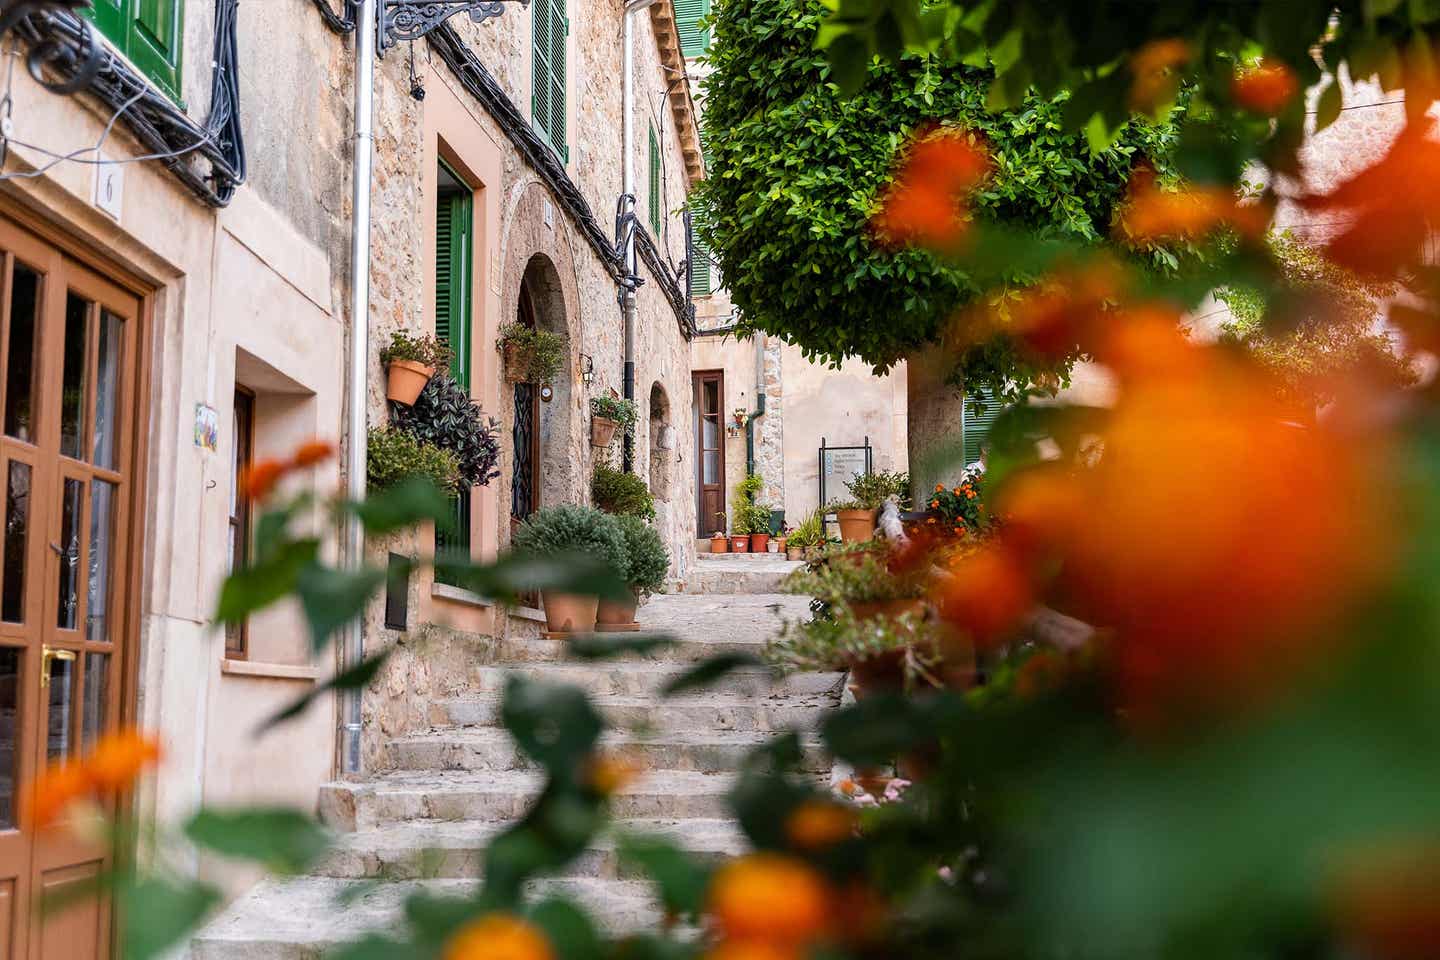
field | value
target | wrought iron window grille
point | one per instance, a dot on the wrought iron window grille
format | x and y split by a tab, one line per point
412	19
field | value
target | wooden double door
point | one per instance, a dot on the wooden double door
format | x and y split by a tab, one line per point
709	402
68	348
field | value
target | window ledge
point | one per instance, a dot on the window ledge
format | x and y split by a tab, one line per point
273	671
444	591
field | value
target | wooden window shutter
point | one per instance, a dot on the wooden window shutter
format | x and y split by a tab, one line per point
548	100
976	427
699	266
657	200
149	32
693	40
453	229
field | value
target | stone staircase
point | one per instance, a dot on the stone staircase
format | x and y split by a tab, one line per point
427	821
732	573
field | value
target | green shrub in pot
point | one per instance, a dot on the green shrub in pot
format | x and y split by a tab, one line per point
568	530
647	559
621	493
445	416
393	456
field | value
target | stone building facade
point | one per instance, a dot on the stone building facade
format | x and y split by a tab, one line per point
206	239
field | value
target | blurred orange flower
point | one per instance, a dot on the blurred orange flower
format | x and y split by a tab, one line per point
986	594
1154	71
753	950
817	824
609	775
769	897
108	770
1265	89
923	204
498	936
260	478
310	453
1152	215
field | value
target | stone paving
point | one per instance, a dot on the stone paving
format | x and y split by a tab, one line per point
456	785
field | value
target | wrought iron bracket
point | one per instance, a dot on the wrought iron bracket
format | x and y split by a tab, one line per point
412	19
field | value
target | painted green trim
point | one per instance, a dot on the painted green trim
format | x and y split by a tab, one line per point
150	33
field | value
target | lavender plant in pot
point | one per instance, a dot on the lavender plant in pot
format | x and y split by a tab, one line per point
567	530
647	562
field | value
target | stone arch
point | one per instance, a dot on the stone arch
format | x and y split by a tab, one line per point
662	443
541	303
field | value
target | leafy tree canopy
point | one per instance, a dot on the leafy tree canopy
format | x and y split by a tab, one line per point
797	167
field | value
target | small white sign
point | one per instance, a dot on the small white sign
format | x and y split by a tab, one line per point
549	213
109	187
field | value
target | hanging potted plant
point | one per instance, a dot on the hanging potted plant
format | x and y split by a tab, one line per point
444	415
647	562
607	416
410	362
530	355
567	530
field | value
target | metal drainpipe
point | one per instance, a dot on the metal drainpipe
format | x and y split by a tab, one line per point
627	245
353	648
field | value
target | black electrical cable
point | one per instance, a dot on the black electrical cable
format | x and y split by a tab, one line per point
338	23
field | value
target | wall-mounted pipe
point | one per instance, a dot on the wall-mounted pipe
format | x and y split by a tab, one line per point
626	220
353	641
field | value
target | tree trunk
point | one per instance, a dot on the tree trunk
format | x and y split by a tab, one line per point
935	436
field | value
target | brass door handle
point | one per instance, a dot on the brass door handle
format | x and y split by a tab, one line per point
48	654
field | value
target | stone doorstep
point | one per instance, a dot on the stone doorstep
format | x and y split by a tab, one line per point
713	712
303	918
644	679
456	850
493	749
506	795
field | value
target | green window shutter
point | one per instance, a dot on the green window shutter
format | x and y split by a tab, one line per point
976	427
699	266
693	40
657	215
547	104
453	247
149	32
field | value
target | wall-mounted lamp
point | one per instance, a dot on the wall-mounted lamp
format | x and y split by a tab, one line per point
587	367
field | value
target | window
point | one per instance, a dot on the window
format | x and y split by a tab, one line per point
454	229
699	266
976	427
657	198
547	104
149	33
693	40
241	454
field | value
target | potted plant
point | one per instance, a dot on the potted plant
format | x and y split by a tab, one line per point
780	543
393	456
444	415
758	523
749	518
805	537
888	656
739	543
607	415
647	562
868	492
410	362
870	583
960	510
719	543
530	355
567	530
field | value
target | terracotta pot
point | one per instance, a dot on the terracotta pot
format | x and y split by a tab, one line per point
889	609
758	542
404	379
720	544
613	614
602	430
857	526
568	612
516	363
740	544
782	542
794	553
882	673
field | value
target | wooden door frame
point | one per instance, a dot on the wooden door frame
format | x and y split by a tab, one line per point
698	377
136	382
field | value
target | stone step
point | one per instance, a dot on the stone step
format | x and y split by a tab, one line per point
729	574
307	917
416	795
492	749
434	849
714	712
644	679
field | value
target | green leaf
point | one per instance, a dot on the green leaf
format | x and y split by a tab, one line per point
517	573
268	581
608	646
280	839
356	677
157	914
1327	109
680	879
555	725
372	947
709	670
331	598
412	501
569	929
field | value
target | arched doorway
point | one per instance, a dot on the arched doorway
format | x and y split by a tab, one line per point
525	431
542	471
662	442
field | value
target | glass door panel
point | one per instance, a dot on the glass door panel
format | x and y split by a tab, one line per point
21	362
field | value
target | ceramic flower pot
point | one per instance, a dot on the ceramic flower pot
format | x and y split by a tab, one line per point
613	616
882	673
758	542
405	379
720	544
794	553
602	430
856	526
568	612
740	544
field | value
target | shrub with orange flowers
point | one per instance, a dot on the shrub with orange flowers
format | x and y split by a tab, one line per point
960	509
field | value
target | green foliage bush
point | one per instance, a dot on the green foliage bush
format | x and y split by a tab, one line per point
647	559
445	416
795	169
857	576
746	516
810	532
539	354
620	410
621	493
393	456
871	490
570	529
839	642
424	349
